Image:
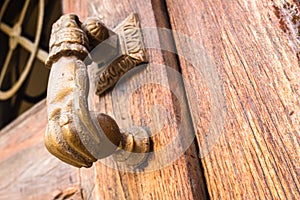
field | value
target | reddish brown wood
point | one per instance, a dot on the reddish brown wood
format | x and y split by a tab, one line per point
257	153
77	7
179	180
27	170
254	48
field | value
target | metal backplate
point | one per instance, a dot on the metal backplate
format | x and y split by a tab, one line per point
129	53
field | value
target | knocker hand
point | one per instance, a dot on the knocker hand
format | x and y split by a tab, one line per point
73	135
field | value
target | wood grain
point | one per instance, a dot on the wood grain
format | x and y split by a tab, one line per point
257	154
153	106
240	66
27	170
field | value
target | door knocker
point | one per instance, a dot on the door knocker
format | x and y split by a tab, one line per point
73	134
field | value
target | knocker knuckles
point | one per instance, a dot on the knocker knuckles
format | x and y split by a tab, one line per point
73	135
64	143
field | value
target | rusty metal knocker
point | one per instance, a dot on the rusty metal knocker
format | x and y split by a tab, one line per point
73	134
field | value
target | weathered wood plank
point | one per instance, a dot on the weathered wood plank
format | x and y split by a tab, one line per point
152	105
257	153
27	170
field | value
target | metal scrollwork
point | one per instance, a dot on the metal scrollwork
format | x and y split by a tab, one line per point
132	54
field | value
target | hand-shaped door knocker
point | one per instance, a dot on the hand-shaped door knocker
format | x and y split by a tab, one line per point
73	134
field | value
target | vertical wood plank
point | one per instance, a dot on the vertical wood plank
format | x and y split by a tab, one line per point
257	154
152	106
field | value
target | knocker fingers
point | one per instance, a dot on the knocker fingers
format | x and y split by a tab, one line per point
64	142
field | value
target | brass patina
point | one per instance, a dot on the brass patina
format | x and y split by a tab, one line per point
73	134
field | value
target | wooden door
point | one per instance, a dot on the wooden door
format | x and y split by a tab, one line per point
227	71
